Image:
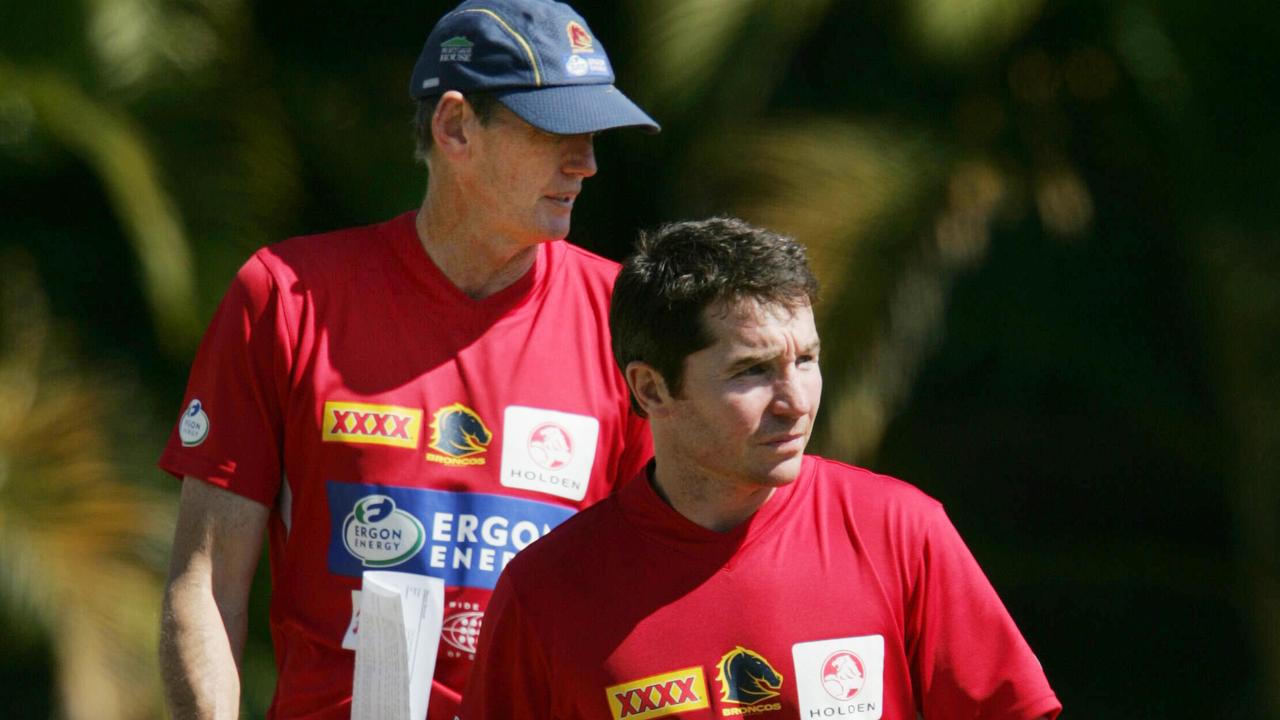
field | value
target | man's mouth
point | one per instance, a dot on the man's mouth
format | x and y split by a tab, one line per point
787	441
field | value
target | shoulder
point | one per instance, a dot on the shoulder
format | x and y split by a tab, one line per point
880	505
584	265
325	255
868	488
588	260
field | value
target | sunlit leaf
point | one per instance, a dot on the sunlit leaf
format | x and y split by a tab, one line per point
958	30
700	49
888	222
139	41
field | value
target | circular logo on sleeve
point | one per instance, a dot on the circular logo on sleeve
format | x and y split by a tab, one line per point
193	428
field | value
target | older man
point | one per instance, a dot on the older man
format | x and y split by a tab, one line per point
737	576
427	395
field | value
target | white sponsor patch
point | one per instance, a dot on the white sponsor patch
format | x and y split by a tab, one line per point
193	427
548	451
576	66
841	678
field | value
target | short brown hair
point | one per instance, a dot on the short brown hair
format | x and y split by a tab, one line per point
685	267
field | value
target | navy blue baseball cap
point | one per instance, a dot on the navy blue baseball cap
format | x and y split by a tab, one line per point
536	57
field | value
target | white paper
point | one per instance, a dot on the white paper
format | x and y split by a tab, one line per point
349	639
397	635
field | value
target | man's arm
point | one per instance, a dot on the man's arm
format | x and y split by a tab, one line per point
969	658
215	553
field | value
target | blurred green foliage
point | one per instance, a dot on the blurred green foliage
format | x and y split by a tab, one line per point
1045	230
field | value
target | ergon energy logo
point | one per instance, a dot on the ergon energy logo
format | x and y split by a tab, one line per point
348	422
380	534
466	539
659	695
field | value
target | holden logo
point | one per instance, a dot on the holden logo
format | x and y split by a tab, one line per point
550	446
843	674
193	428
461	630
380	534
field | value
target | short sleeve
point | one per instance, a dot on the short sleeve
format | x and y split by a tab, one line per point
967	655
511	677
231	428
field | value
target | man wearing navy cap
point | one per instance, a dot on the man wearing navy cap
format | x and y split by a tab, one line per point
426	395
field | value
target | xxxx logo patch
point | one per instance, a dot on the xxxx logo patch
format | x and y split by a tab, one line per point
348	422
659	695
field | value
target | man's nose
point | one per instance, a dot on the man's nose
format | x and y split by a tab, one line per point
580	155
793	394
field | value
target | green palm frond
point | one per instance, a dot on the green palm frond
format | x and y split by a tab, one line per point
827	180
889	221
76	535
736	50
957	30
114	147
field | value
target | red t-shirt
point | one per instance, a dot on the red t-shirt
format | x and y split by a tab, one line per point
391	422
847	595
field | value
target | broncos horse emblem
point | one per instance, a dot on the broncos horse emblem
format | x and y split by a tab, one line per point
747	678
457	431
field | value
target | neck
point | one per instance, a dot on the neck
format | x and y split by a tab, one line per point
715	503
478	261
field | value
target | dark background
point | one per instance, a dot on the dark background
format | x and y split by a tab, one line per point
1047	234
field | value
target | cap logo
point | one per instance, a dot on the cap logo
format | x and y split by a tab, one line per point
579	39
456	49
575	66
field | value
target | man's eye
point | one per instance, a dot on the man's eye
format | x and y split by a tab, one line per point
806	359
752	370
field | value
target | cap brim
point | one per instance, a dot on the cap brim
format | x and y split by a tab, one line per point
576	109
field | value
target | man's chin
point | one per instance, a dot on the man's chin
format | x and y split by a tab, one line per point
784	473
554	226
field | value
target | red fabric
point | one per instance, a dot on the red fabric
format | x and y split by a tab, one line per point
829	563
363	318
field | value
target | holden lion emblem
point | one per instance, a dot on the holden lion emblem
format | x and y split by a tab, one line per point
843	674
551	446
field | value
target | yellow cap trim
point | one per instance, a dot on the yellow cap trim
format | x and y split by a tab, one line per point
533	60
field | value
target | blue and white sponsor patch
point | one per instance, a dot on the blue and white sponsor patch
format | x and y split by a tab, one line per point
577	66
464	538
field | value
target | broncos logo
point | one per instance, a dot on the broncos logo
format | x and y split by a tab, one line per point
747	678
457	431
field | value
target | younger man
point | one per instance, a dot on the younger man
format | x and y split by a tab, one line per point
738	576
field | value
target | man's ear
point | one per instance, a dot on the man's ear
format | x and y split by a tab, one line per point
649	388
451	124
